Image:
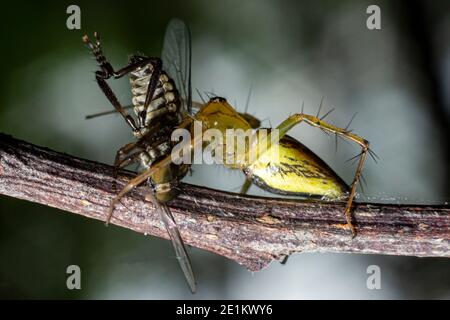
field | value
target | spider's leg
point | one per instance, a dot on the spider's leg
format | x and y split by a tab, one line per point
315	121
133	183
246	186
122	159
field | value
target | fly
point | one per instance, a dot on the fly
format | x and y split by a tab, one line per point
159	106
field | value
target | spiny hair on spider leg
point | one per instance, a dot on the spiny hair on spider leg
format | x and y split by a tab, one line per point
355	158
326	114
349	123
320	106
373	155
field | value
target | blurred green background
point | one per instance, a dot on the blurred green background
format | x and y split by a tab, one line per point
289	52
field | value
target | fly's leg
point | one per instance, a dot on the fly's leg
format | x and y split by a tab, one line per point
107	71
133	183
119	164
118	160
314	121
157	68
123	159
152	83
195	142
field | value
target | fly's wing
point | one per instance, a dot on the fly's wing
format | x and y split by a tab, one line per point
180	250
176	57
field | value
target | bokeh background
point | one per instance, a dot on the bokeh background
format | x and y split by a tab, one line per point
396	79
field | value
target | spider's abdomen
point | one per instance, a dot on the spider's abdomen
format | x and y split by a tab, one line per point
291	168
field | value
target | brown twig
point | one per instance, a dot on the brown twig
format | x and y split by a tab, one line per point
250	230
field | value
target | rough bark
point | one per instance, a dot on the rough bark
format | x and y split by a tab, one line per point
252	231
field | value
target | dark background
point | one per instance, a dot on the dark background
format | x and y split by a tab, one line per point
290	52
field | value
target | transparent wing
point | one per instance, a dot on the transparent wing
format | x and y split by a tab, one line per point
180	250
177	242
176	57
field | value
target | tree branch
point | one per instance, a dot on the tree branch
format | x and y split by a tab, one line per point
250	230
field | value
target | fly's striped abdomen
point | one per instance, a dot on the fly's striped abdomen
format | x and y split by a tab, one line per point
165	100
164	111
